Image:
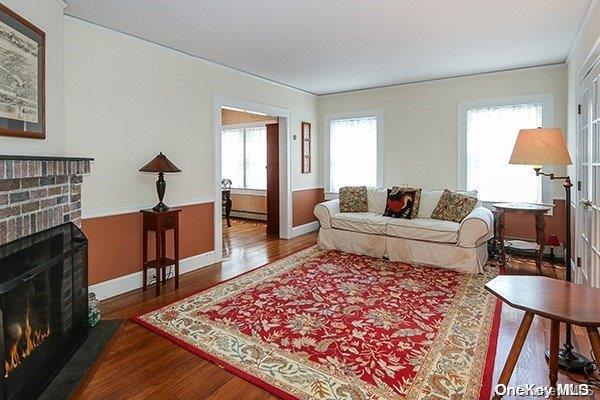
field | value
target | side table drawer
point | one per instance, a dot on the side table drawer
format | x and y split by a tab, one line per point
169	221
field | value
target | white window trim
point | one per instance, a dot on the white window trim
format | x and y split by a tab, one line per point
547	101
244	126
347	115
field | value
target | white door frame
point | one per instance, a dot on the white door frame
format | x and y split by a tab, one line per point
580	274
285	182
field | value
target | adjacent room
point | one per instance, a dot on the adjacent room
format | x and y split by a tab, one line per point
329	200
249	178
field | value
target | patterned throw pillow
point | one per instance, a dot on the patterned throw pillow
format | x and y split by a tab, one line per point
353	199
453	206
417	197
400	203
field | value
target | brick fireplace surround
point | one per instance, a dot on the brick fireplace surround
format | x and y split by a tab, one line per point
38	193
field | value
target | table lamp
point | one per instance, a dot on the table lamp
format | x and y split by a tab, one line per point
553	242
162	165
546	146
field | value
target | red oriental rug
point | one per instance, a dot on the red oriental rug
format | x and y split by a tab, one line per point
330	325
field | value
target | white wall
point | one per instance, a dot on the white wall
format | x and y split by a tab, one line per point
46	15
127	99
421	119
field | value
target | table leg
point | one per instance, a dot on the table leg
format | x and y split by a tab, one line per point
515	350
501	229
594	340
145	260
163	251
553	361
228	206
540	230
176	245
158	261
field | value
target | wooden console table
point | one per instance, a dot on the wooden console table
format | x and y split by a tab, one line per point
554	299
160	222
537	210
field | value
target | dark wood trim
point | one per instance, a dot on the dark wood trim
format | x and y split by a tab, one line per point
273	179
42	53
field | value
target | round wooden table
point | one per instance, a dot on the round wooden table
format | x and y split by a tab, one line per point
538	211
559	301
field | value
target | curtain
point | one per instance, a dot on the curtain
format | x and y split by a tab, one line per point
491	135
256	158
232	156
353	152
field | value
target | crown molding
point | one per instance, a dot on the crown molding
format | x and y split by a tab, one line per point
219	65
581	28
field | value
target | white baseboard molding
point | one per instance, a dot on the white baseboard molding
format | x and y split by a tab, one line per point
127	283
306	228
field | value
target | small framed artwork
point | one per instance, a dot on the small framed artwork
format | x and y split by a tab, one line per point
306	149
22	77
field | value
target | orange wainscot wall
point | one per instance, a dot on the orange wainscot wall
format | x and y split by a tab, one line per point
115	242
523	226
303	203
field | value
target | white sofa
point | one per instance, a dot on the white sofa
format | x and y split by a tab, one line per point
422	240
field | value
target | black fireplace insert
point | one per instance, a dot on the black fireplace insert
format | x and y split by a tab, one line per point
43	308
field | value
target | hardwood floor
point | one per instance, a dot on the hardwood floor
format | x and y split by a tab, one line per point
139	364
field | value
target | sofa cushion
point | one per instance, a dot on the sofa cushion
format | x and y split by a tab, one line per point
430	198
361	222
376	198
353	199
453	206
430	230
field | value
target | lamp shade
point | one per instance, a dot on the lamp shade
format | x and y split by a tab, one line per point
541	146
552	241
160	163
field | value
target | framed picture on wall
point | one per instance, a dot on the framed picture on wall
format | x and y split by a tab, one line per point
22	77
306	149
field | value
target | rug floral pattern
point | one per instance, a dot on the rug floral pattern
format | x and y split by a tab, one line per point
331	325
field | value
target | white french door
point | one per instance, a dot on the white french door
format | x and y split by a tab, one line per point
588	165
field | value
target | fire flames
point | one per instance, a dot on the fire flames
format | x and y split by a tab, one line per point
16	354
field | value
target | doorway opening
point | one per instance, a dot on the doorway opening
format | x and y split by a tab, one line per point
251	174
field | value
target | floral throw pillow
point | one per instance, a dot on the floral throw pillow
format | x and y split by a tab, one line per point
353	199
400	203
453	206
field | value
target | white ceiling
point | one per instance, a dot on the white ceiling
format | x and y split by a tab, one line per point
327	46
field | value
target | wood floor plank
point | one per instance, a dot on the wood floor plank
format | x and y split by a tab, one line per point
141	365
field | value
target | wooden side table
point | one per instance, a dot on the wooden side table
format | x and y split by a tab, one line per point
538	211
556	300
160	222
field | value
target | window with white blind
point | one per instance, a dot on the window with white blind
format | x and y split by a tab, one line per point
489	130
244	157
353	155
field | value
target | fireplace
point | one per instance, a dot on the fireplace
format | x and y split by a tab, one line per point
43	307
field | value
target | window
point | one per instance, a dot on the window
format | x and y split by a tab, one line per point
489	131
353	153
244	157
